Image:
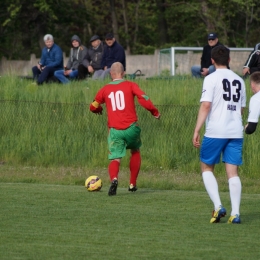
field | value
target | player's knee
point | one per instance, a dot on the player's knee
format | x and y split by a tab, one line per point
135	151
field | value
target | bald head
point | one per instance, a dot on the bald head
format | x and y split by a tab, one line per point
117	70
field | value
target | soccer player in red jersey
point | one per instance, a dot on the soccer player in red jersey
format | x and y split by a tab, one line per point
124	131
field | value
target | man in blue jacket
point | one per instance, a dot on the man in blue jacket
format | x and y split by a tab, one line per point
51	60
113	52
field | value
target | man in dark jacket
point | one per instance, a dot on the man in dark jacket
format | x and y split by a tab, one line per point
77	53
253	62
113	52
92	60
206	66
51	60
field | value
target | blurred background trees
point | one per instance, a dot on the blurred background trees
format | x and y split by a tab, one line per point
141	26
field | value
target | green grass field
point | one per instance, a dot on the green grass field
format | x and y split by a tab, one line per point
50	143
68	222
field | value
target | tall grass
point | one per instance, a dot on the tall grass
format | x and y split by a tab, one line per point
51	125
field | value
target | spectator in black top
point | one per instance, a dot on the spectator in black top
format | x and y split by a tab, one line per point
113	52
206	66
253	62
92	60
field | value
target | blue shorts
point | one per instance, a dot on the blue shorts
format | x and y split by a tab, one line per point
212	148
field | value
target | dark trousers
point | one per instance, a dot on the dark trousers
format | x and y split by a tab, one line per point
44	75
82	72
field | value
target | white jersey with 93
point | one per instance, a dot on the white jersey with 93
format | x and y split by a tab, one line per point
227	94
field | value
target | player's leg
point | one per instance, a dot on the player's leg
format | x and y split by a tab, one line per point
117	150
210	155
113	170
132	137
232	156
134	165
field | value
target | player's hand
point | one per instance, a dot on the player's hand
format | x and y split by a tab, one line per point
246	127
196	140
158	116
99	110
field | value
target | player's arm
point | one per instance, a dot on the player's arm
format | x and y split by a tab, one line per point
145	101
250	128
96	108
202	115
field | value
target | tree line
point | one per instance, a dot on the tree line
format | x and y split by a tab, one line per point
140	26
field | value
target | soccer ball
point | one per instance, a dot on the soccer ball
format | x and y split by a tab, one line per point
93	183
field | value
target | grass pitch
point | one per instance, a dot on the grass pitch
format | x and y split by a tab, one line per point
40	221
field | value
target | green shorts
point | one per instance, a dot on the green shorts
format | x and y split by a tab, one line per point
120	140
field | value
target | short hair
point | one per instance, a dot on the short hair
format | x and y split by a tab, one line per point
255	77
220	54
48	37
117	67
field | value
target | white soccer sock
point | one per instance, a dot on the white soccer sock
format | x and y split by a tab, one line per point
235	189
211	186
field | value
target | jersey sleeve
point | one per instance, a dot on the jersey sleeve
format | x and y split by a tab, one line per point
254	110
144	100
243	98
207	91
95	106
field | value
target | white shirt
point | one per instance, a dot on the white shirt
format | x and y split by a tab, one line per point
254	108
227	94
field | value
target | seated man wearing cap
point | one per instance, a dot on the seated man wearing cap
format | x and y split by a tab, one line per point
113	52
77	53
206	66
92	60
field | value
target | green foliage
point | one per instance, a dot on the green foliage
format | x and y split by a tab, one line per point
150	24
143	49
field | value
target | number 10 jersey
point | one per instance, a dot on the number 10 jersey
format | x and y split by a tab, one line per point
119	97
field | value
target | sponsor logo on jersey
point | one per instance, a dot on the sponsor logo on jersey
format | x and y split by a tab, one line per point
231	107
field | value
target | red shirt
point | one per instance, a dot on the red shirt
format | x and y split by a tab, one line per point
119	99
